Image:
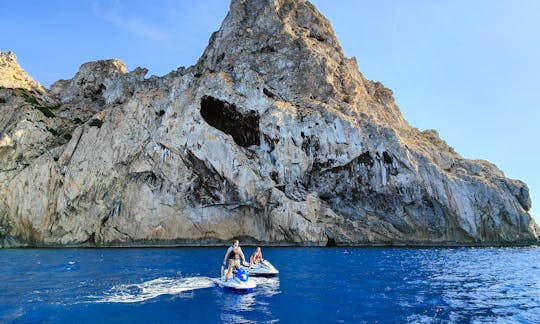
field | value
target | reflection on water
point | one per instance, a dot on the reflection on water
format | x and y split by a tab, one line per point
237	306
233	301
267	287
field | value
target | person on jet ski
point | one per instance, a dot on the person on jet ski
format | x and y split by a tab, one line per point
256	257
233	253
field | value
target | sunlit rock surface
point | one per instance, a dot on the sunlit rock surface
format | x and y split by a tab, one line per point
273	137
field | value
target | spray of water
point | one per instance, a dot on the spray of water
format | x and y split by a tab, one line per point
134	293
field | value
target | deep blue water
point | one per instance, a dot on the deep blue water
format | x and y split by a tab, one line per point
316	285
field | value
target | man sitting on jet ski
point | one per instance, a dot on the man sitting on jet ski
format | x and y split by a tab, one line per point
234	253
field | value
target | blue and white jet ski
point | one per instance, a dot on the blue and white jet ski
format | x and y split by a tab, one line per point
238	281
263	268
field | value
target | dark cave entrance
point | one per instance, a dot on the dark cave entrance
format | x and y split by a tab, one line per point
244	128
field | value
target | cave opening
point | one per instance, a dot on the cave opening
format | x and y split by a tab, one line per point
243	127
331	242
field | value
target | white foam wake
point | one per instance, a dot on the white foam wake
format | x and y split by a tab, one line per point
133	293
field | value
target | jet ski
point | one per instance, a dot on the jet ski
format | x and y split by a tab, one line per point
263	268
239	281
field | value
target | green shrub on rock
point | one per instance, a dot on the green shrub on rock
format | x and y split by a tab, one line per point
96	123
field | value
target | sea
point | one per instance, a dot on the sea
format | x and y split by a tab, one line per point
315	285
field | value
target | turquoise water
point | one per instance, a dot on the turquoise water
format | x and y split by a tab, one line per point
315	285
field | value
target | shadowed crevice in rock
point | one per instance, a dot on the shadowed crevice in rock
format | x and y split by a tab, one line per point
208	187
331	242
244	128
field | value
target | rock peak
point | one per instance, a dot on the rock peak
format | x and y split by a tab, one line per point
90	81
12	76
289	44
6	57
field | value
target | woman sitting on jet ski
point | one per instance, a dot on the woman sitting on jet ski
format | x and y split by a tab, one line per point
256	257
234	253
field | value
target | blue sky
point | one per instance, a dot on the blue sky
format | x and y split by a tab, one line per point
469	69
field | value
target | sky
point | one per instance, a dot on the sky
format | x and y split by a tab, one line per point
468	69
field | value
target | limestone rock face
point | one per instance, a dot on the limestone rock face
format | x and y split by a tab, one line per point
27	126
12	76
273	137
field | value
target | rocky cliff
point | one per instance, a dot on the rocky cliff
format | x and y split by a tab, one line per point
274	136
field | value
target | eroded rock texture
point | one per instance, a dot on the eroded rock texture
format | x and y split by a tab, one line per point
274	136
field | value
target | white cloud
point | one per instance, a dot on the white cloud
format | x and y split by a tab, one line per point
138	27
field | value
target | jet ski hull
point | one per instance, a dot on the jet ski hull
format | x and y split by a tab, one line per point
262	269
235	284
